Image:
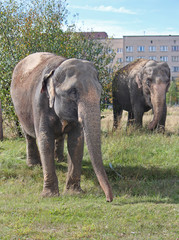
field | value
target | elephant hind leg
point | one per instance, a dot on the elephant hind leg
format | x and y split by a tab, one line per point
130	120
117	115
59	149
33	156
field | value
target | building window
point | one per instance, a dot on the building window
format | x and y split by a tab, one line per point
175	48
163	48
175	59
152	48
141	49
119	50
164	58
153	58
129	49
175	69
140	57
119	60
129	59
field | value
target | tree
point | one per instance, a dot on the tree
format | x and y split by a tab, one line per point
173	94
28	27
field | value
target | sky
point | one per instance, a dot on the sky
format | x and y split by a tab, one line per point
120	18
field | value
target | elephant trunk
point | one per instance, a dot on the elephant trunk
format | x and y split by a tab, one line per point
89	116
158	98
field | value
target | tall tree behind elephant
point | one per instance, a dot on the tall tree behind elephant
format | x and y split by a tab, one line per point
1	121
54	96
139	87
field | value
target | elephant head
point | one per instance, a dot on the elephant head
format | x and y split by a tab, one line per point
154	80
74	93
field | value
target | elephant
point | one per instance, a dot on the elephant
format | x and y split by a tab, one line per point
54	96
138	87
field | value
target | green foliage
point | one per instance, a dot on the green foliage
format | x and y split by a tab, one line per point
28	27
173	94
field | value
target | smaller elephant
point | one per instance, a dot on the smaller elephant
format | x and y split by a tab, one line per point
139	87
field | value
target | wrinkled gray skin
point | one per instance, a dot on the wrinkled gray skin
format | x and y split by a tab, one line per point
139	87
54	96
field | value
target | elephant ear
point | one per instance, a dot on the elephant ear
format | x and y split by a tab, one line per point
48	86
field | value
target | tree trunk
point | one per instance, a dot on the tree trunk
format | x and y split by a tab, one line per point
1	127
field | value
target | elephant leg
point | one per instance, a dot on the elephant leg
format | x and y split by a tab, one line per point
117	115
75	144
138	115
33	157
46	145
59	149
130	120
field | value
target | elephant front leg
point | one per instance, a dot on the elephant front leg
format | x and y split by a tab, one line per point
138	115
46	147
75	144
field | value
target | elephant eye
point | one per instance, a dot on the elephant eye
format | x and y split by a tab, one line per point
73	93
148	82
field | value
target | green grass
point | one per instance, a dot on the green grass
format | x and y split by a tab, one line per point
146	196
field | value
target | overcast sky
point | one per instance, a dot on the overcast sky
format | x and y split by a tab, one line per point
126	17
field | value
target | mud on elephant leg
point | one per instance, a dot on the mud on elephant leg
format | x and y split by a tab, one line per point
59	149
75	144
33	156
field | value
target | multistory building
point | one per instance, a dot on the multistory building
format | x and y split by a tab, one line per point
159	48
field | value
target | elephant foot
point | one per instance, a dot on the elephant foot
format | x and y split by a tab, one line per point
60	159
33	162
73	191
161	129
50	193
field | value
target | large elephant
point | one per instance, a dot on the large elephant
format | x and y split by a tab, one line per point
54	96
139	87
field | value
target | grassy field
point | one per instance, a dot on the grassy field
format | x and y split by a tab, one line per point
144	175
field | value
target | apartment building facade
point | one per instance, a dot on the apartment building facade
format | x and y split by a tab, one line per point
159	48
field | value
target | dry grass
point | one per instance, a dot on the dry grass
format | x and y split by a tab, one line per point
172	121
